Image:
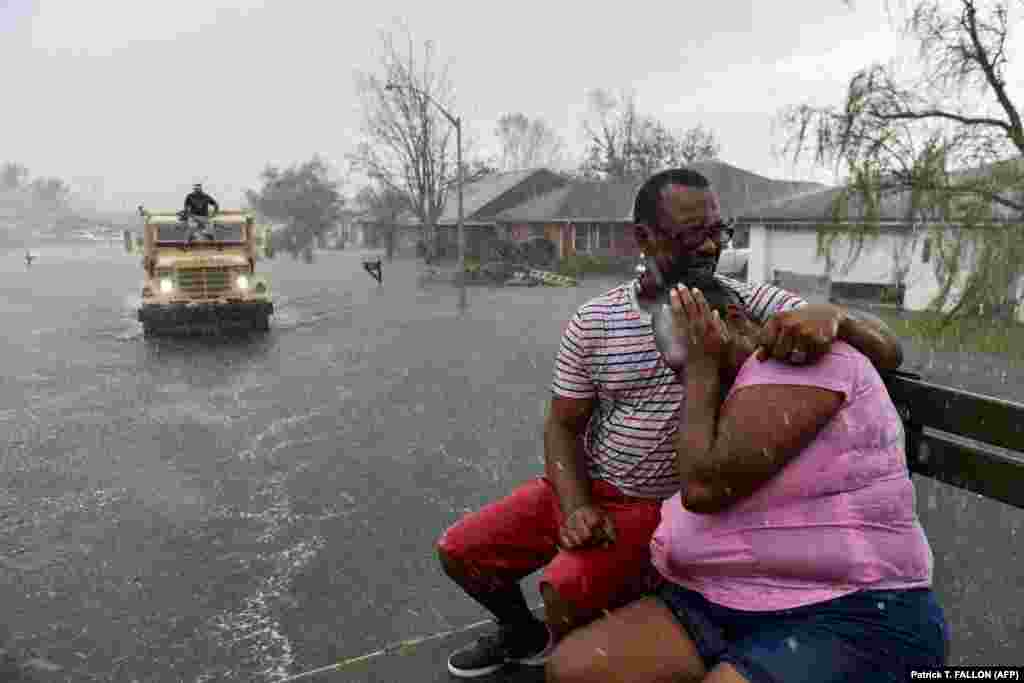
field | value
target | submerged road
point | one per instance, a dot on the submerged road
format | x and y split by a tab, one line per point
247	509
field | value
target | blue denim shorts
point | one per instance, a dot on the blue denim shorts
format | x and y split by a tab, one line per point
871	635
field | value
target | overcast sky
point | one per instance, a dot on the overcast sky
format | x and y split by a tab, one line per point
137	99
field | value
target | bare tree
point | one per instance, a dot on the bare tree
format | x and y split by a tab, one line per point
949	140
622	143
13	176
409	145
53	191
385	206
527	143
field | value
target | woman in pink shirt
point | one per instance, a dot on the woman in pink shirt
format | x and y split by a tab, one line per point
793	552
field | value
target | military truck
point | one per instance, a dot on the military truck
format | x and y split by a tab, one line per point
199	280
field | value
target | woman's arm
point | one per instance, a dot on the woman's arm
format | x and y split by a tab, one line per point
725	457
812	328
870	335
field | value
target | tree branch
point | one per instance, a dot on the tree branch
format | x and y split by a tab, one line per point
937	113
989	69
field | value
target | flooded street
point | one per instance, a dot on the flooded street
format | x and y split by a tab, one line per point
237	509
206	509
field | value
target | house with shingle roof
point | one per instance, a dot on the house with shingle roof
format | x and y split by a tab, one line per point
783	236
895	263
363	229
595	217
581	217
484	200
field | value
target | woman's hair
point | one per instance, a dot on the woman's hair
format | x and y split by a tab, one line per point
718	296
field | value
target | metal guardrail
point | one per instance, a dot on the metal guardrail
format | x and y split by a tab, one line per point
967	440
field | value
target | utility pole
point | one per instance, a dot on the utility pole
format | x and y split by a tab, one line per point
460	276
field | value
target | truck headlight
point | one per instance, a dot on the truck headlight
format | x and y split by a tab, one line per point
166	285
242	282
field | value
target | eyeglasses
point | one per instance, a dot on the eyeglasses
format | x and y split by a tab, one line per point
692	236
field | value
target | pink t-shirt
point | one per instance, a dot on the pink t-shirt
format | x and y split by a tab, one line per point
840	517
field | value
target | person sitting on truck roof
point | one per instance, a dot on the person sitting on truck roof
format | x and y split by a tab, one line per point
197	210
198	203
791	550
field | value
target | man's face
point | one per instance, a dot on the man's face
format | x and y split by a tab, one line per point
684	242
197	188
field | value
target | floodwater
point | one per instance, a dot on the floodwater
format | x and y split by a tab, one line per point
248	508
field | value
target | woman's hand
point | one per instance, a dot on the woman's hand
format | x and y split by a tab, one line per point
704	330
801	336
703	497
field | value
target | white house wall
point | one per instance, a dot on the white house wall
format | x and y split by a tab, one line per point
923	286
796	250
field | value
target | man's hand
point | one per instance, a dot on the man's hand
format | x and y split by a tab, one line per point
707	335
801	336
586	525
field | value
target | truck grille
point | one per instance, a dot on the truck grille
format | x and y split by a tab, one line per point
204	283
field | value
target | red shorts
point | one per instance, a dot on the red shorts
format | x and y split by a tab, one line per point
509	539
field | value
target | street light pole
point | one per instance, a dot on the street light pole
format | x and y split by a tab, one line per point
461	227
457	122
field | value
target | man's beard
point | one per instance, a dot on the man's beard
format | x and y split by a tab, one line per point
691	270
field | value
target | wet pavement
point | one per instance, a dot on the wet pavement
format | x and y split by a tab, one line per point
250	508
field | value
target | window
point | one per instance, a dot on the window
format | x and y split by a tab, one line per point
179	232
741	240
581	242
593	236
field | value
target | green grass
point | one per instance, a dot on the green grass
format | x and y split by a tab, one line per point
583	264
972	335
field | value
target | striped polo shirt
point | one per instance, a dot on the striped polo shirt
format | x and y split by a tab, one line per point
608	354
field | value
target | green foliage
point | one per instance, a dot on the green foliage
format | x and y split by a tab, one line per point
583	264
303	198
972	334
890	295
942	154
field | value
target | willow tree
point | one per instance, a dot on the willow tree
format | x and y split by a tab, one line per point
943	142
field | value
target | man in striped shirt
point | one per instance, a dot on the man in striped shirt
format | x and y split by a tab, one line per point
609	451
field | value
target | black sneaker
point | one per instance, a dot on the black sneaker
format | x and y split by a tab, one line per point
493	651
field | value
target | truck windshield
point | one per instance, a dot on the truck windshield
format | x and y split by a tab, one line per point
178	232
